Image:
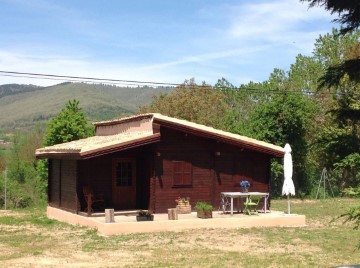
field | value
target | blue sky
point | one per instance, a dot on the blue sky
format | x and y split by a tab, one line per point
158	40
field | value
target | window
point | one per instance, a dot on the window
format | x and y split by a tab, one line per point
182	173
124	173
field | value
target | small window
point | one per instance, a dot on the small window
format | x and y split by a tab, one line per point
182	173
124	173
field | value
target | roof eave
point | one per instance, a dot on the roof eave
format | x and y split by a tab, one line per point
58	155
278	153
98	151
121	147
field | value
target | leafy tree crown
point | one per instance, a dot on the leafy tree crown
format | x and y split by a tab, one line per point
70	124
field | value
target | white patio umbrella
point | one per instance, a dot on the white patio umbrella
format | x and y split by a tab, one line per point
288	187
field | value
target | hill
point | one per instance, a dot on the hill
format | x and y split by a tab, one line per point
23	106
11	89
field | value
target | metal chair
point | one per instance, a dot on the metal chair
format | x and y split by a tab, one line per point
224	204
251	204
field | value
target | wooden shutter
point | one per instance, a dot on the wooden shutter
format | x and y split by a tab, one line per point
182	174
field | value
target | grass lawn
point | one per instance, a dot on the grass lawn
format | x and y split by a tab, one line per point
29	239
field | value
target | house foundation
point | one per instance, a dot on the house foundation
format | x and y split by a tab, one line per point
128	224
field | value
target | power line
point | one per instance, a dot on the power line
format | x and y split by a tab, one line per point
66	77
47	78
71	80
137	83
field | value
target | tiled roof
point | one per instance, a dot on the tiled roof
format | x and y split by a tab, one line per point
95	144
250	142
98	143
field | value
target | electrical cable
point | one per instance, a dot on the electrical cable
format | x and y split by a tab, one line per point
152	83
37	75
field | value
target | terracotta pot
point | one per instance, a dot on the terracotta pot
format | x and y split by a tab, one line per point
183	209
204	214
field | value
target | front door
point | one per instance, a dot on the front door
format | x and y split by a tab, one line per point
124	183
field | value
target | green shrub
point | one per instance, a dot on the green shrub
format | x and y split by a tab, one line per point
352	191
203	206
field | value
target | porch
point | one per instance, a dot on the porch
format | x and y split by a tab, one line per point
127	223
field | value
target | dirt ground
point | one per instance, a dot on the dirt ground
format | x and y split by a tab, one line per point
54	244
68	246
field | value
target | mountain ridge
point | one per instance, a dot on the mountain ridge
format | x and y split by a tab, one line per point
12	89
23	106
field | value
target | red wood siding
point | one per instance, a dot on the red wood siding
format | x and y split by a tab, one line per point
232	166
177	146
97	173
68	197
216	168
54	183
62	184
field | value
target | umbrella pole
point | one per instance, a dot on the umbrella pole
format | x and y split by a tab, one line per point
288	197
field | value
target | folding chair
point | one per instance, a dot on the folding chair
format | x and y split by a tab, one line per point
224	204
251	204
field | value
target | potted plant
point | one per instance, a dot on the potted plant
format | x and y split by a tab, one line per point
144	216
183	205
204	210
245	186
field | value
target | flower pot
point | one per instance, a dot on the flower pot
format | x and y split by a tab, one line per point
245	189
204	214
183	209
145	218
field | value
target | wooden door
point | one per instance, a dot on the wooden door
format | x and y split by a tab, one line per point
124	183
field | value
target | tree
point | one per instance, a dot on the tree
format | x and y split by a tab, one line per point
189	101
241	102
286	118
337	76
349	17
335	134
348	11
305	73
339	138
236	101
272	112
25	187
70	124
338	54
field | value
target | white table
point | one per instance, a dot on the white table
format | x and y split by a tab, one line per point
240	195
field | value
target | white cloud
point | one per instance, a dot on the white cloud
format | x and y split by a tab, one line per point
206	57
275	18
245	40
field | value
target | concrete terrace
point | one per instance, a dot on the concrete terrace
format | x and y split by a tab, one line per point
128	224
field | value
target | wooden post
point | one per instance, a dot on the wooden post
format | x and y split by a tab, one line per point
172	214
109	215
89	204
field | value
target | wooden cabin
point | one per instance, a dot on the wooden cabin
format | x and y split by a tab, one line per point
147	161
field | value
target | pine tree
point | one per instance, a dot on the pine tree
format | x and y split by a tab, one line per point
70	124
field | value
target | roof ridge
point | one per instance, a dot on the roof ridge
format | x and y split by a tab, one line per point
123	119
